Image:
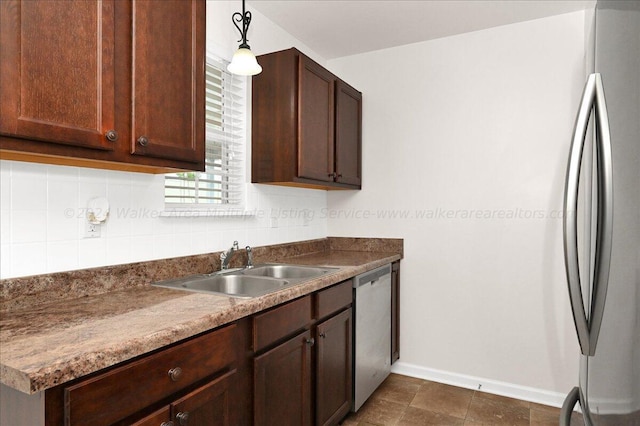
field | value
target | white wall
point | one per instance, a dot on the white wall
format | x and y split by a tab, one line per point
473	132
41	206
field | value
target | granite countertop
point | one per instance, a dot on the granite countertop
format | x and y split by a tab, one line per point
49	343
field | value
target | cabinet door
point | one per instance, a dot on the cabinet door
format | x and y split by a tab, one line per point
348	134
282	384
208	405
168	79
333	369
315	121
57	71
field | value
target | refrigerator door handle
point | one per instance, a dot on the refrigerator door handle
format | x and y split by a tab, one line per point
567	407
570	222
604	230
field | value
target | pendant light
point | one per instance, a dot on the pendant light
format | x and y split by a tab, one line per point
244	61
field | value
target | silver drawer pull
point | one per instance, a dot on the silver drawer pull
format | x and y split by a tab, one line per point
111	135
175	373
183	418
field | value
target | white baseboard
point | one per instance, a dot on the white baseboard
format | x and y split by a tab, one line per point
511	390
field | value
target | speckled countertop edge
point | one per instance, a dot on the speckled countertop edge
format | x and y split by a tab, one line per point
39	360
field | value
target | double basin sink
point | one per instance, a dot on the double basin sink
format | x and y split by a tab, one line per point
247	283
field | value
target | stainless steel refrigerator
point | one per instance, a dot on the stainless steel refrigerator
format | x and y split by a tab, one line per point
602	223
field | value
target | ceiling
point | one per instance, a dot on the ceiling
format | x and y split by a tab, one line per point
336	28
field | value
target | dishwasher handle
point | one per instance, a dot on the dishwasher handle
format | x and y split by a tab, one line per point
371	276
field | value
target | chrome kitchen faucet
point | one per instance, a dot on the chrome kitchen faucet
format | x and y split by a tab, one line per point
249	257
225	257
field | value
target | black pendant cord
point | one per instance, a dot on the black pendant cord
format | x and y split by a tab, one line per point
245	18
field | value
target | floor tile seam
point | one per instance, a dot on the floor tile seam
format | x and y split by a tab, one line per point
466	414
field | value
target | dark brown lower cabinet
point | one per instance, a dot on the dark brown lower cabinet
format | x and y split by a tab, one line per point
282	383
208	405
333	369
304	379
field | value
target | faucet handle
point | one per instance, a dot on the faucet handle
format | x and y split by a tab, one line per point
235	245
249	257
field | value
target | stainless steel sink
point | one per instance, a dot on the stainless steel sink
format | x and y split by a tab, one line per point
234	284
286	271
249	282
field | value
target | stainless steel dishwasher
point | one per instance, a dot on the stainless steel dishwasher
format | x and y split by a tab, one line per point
372	332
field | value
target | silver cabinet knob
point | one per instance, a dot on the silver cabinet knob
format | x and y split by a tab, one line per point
310	342
183	418
142	140
175	373
111	135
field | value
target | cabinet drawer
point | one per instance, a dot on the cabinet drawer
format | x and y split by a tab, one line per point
122	391
281	322
333	299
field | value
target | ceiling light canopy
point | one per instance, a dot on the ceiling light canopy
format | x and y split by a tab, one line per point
244	61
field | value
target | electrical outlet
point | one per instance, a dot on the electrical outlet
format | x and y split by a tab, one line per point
91	230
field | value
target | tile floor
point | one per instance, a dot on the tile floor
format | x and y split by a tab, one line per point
407	401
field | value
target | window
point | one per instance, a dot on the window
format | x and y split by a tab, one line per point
222	182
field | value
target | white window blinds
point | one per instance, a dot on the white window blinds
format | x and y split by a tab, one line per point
222	183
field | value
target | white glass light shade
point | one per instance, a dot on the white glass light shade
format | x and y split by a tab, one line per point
244	63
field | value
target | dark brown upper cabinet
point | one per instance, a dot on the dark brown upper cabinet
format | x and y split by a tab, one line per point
306	125
110	84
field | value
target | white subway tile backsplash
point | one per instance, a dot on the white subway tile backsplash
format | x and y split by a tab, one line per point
118	250
5	227
87	190
201	243
5	185
119	222
22	169
28	259
62	173
164	225
63	214
94	175
5	260
28	192
43	219
119	178
61	227
92	252
142	248
164	245
65	258
28	226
